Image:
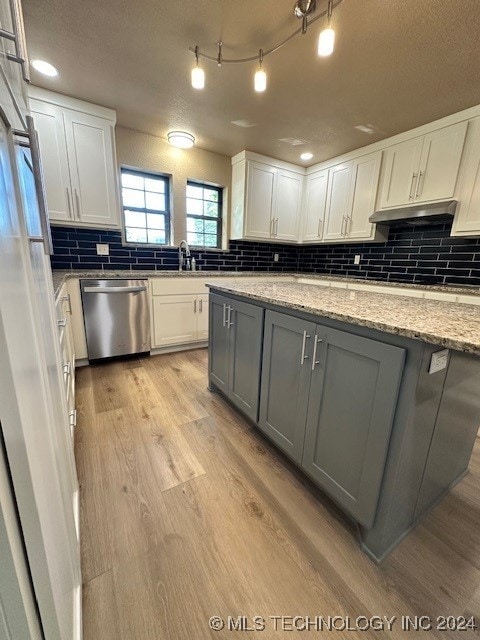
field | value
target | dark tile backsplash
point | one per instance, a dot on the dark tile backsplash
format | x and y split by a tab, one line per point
425	255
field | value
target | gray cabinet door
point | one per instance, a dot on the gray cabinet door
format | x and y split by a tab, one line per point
353	396
218	337
286	371
246	332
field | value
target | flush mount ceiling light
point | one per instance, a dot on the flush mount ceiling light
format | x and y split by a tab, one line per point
45	67
304	10
306	156
181	139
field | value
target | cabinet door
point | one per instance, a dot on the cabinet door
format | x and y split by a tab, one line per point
174	320
260	183
53	150
246	332
202	317
467	217
365	174
287	202
353	395
90	145
440	163
218	342
314	206
338	201
401	173
286	373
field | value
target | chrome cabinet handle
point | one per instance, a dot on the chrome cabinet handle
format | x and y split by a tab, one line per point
195	306
229	321
224	314
73	418
314	358
344	220
319	227
303	357
67	368
419	185
200	303
77	201
62	323
70	205
348	226
39	187
272	220
67	299
276	226
21	55
411	195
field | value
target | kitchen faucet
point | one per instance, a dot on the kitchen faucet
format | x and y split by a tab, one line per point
184	259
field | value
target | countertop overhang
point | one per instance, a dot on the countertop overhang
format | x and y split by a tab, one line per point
450	325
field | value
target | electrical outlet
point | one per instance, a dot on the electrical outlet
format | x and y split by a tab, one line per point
103	250
276	257
439	361
356	260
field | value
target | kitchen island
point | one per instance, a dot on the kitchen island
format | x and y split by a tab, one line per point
374	396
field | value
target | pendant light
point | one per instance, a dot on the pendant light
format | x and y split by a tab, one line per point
260	80
198	74
326	40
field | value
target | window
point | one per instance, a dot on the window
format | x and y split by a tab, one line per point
204	215
146	207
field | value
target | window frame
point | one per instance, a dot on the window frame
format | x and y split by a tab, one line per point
166	178
218	220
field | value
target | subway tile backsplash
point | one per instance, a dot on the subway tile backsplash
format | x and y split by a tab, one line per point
426	255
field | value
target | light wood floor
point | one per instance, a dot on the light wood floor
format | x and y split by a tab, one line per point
188	512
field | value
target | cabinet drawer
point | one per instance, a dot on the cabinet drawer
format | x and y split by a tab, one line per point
177	286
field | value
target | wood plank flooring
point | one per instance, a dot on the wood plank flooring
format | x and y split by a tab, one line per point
188	512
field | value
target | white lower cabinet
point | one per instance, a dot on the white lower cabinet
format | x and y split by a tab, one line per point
178	320
63	307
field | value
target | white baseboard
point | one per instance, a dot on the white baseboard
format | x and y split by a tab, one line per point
179	347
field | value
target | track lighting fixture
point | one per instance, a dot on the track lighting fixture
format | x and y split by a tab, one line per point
326	40
260	80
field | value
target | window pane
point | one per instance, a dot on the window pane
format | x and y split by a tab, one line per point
194	192
135	235
155	184
156	237
210	241
211	209
132	181
135	219
211	194
132	198
195	225
195	239
194	207
155	201
155	221
210	226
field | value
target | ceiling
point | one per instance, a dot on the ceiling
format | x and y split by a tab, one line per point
397	64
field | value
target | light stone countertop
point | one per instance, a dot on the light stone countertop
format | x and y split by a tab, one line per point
451	325
60	276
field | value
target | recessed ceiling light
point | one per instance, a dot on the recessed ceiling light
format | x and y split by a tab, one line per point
366	128
181	139
45	67
306	156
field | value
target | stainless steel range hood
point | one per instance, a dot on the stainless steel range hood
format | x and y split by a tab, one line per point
422	214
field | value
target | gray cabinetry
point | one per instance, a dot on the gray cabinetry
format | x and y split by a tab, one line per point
236	330
352	401
285	381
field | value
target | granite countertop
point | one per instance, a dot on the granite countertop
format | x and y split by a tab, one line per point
59	277
452	325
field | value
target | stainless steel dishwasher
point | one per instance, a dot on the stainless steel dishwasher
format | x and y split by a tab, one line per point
117	319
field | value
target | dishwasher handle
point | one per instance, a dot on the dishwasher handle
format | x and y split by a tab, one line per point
136	289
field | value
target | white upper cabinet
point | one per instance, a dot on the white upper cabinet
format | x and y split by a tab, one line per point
364	185
266	199
77	147
338	201
259	211
287	203
423	169
315	198
467	217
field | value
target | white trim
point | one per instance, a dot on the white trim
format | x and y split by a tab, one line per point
72	103
257	157
179	347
